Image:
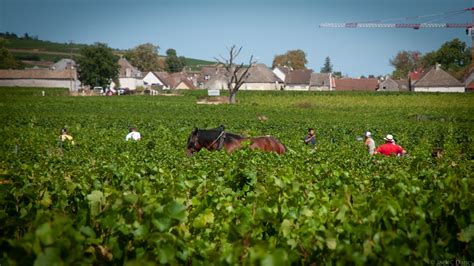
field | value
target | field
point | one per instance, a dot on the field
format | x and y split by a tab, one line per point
104	200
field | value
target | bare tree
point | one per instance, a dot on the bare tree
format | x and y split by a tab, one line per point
236	74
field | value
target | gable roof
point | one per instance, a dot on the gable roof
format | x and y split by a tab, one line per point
38	74
260	73
437	77
63	64
285	70
320	79
300	76
350	84
172	80
127	70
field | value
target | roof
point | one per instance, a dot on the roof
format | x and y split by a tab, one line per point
260	73
301	76
285	70
349	84
320	79
207	72
437	77
63	64
38	74
173	79
416	75
127	70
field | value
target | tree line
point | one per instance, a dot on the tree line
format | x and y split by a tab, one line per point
453	56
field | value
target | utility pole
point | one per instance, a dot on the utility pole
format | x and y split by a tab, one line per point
70	65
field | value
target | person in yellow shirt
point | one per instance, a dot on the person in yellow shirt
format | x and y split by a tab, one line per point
64	136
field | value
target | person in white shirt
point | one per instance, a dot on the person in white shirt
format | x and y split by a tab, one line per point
133	134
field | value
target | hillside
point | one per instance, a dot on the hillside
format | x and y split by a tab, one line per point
40	52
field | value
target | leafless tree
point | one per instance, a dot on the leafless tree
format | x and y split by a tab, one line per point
236	74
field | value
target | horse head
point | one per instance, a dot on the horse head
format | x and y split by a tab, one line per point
210	139
193	142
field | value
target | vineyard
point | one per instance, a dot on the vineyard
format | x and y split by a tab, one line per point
107	201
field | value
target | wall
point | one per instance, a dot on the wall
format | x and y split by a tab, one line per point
260	86
439	89
42	83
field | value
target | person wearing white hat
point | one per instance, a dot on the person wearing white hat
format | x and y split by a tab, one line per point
369	143
390	148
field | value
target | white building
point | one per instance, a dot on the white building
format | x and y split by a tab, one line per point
438	80
44	78
129	76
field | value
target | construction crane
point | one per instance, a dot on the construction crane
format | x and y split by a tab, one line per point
427	25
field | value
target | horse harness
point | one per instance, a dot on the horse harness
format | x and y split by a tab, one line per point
219	139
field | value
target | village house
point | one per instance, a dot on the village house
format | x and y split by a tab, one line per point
298	80
129	76
321	82
350	84
281	72
168	81
389	84
43	78
261	78
63	64
437	80
208	73
469	82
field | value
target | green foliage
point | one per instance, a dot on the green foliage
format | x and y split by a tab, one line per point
454	57
98	65
404	63
145	57
295	59
173	63
108	201
327	68
7	61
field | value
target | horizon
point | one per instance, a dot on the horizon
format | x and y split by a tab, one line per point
204	30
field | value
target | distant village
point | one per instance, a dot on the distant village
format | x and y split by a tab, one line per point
63	74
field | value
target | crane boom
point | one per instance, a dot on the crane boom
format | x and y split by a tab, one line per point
396	25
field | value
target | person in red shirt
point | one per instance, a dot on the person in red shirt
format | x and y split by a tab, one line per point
390	148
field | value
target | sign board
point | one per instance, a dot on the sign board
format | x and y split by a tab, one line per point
213	92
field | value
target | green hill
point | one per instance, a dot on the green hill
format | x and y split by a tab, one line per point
40	51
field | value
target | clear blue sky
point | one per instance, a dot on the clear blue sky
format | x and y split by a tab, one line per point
204	28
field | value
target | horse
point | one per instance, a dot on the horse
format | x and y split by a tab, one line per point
217	139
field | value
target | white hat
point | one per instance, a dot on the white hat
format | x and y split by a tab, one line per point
388	138
368	134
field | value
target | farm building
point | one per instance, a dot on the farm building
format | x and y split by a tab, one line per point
209	73
321	82
437	80
129	76
281	72
260	77
350	84
298	80
44	78
389	85
169	81
63	64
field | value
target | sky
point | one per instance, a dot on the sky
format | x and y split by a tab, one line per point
204	29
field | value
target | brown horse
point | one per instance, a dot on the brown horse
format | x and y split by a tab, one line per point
216	139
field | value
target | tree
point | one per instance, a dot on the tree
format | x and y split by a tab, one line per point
295	59
404	63
7	60
98	66
145	57
236	74
173	63
327	68
454	57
